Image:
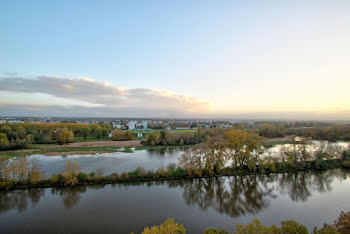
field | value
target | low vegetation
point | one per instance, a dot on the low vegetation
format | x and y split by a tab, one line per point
340	226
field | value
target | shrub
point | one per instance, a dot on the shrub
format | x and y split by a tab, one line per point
291	226
345	155
346	163
256	227
169	226
214	231
82	177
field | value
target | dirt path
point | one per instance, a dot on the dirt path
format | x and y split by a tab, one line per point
132	143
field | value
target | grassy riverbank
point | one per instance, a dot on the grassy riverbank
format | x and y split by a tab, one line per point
76	178
51	149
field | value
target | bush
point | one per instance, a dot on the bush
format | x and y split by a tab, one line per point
346	163
291	226
82	177
214	231
169	226
345	155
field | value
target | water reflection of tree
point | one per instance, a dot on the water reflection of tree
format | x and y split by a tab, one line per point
300	185
70	195
240	195
20	199
233	196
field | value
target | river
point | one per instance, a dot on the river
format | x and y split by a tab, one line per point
312	198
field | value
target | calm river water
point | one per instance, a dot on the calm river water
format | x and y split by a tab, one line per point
311	198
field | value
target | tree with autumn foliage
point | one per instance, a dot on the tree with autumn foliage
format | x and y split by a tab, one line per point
169	226
243	148
64	136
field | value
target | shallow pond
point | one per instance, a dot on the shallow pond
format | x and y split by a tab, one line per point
312	198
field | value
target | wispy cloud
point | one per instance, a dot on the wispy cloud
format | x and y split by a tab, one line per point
106	99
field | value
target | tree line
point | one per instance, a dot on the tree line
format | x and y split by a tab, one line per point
330	133
181	138
340	226
20	135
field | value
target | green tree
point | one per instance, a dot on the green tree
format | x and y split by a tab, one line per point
104	132
85	131
96	130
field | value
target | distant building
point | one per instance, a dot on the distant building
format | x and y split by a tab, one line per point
144	124
131	125
15	121
117	126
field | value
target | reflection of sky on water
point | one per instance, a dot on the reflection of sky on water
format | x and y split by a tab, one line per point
117	162
120	162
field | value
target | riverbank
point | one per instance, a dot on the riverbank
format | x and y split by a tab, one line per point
86	148
172	172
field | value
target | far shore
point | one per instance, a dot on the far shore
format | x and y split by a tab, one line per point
131	143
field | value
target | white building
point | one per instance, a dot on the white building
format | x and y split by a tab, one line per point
131	125
144	124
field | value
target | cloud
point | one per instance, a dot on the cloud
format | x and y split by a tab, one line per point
106	99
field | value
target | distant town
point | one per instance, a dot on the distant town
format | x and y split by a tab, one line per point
166	124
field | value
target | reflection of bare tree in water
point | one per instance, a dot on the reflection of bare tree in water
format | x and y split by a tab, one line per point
297	185
300	185
233	196
70	195
239	195
20	199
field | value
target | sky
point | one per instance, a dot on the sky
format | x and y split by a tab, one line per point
175	59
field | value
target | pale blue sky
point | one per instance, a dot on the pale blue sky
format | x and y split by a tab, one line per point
237	56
